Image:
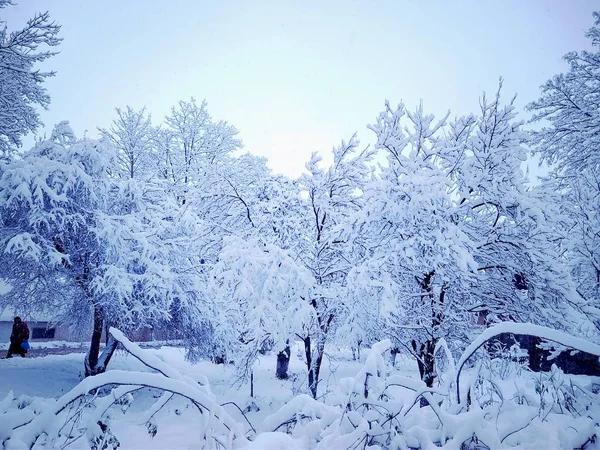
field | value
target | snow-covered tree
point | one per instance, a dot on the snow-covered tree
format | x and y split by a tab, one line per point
164	154
21	83
279	208
569	108
333	195
226	201
131	134
232	196
194	155
199	141
521	274
452	229
416	254
288	280
360	321
570	104
262	290
120	247
275	208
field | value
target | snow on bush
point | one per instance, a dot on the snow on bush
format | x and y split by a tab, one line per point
378	408
88	410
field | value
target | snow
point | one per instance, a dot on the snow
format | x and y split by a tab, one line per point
273	441
172	229
27	379
287	417
30	376
524	329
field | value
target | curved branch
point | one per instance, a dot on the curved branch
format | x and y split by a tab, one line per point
242	412
138	379
525	329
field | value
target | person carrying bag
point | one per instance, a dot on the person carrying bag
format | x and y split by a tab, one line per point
19	339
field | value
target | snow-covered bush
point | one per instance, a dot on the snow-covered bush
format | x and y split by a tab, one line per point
377	408
380	409
90	408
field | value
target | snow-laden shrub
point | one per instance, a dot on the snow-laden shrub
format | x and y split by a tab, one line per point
472	408
380	409
90	409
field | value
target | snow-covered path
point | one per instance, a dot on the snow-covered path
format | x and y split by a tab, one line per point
49	376
49	372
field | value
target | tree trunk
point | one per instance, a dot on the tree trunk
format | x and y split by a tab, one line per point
426	363
283	363
317	366
91	359
314	365
356	351
308	354
393	352
425	350
94	362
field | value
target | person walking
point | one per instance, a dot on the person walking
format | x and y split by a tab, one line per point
20	334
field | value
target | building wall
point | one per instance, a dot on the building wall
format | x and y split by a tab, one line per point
60	332
5	330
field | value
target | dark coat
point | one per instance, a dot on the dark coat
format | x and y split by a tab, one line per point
20	333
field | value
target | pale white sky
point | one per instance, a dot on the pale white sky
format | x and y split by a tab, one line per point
296	77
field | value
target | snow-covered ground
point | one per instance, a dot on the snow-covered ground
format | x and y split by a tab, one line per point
82	345
496	413
23	374
53	375
50	344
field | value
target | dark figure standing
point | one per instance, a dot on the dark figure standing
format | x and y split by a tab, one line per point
20	333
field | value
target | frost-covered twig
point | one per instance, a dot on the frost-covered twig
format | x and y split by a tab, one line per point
521	427
140	379
241	412
157	406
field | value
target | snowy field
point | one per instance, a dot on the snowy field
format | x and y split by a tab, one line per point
137	424
24	375
54	375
